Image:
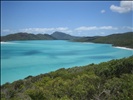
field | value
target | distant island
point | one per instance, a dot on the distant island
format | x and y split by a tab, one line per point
29	36
121	39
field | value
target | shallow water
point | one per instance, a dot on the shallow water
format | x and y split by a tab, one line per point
20	59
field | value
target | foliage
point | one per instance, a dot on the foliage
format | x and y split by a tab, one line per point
111	80
124	39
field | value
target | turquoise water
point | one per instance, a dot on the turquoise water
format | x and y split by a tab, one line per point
20	59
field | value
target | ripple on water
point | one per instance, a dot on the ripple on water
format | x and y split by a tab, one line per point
32	52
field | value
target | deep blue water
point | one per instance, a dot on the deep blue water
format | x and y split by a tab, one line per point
20	59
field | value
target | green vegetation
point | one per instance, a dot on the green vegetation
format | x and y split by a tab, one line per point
111	80
124	39
86	39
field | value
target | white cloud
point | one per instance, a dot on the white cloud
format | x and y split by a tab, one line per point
44	30
61	29
6	30
103	11
108	28
37	30
125	6
85	28
128	28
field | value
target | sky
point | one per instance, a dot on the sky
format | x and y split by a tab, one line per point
78	18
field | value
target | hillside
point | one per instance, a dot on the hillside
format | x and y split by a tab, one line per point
111	80
63	36
123	39
29	36
26	36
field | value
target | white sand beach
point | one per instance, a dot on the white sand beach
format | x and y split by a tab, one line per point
2	42
123	48
6	43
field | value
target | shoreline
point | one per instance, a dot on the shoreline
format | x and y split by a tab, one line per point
123	48
4	42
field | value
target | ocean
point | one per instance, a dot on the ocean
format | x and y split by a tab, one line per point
20	59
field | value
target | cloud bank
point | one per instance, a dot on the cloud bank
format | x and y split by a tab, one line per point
84	28
43	30
125	6
79	31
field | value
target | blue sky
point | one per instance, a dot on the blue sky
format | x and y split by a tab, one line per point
79	18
